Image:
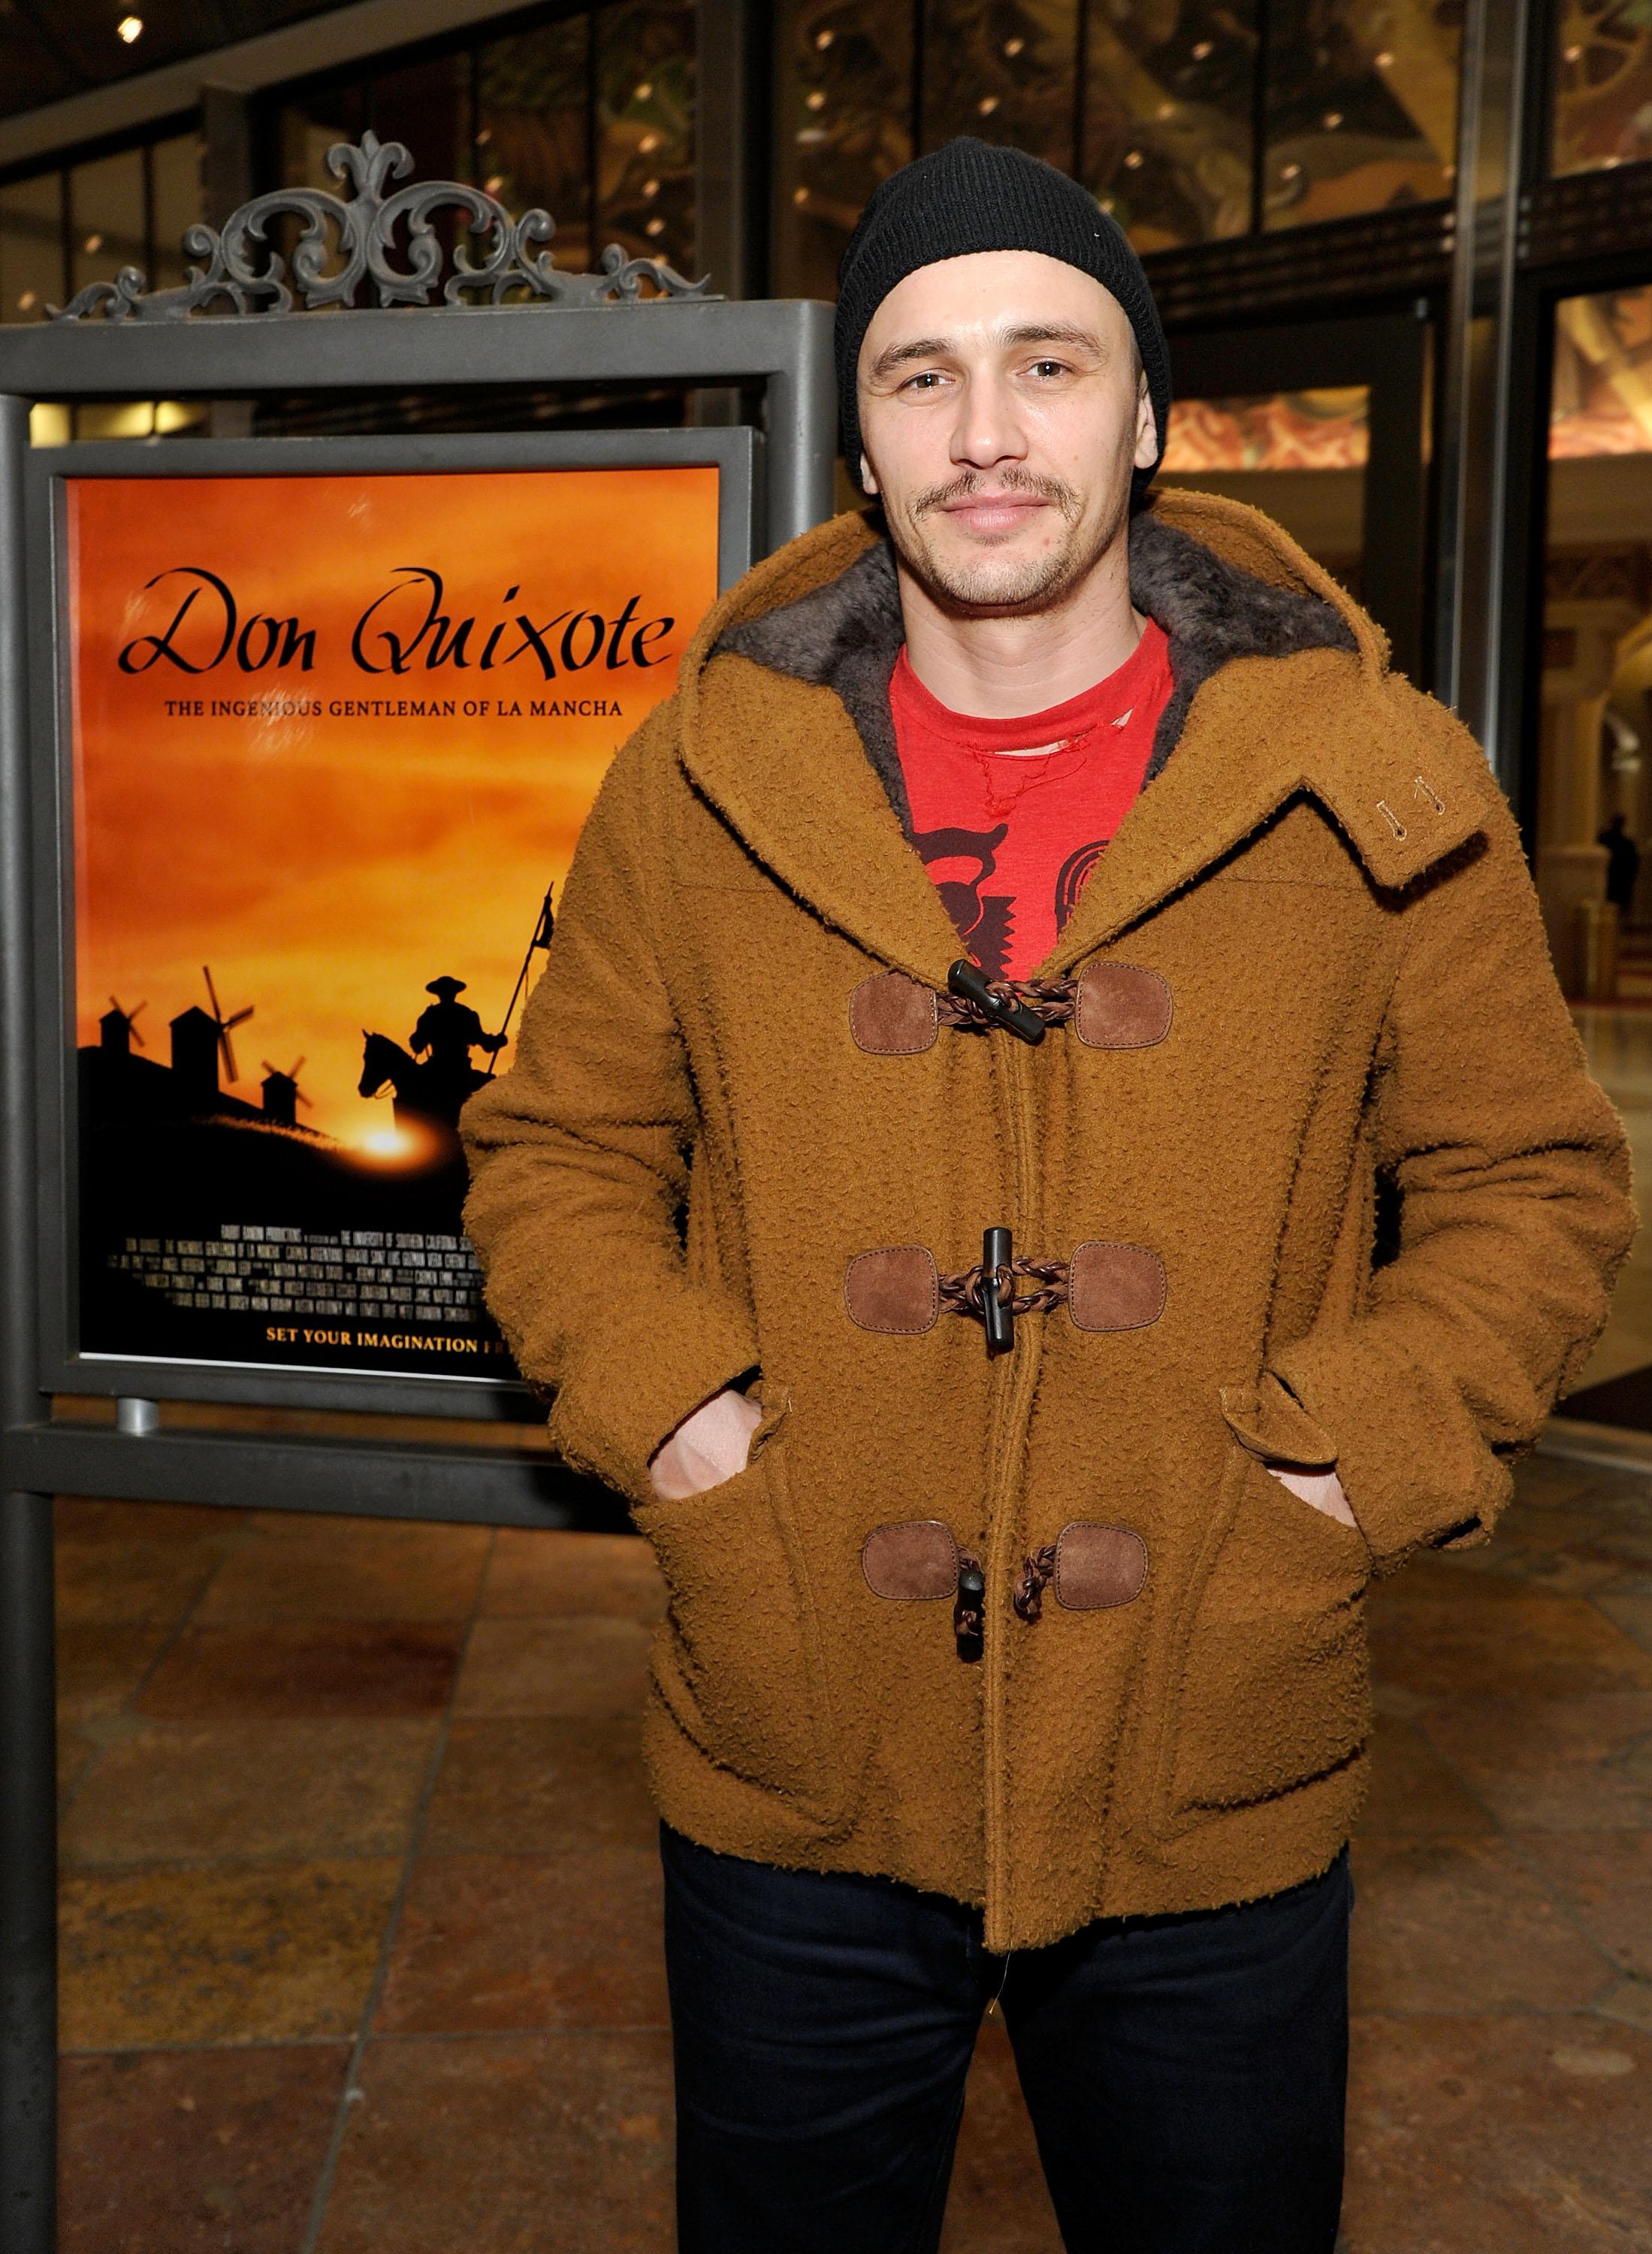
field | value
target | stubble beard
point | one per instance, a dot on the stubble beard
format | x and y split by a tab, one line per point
986	586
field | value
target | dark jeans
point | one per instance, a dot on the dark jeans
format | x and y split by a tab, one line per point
1185	2073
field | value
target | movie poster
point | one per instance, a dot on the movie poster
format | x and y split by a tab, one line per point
333	739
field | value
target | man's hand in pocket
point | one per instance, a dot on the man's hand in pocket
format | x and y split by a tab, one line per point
706	1448
1322	1490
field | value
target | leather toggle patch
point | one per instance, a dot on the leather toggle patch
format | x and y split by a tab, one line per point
1119	1005
1115	1287
1098	1565
911	1562
892	1015
896	1289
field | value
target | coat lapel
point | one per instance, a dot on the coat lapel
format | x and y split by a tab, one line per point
1262	731
1221	786
784	764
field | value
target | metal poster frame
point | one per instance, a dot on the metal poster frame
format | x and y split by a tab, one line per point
240	328
64	1367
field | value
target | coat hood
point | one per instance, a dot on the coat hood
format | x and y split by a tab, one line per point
1281	688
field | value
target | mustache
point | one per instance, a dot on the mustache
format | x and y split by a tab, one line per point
1018	481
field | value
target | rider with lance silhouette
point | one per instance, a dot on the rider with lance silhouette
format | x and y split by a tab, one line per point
449	1030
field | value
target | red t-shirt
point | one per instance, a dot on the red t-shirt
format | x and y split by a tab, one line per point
1011	816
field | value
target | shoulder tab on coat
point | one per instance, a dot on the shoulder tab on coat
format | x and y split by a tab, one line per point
1403	778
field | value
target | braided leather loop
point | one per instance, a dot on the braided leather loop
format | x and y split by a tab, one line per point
966	1617
960	1293
1036	1573
1053	999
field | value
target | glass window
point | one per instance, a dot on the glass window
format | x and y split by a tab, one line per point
844	112
1168	118
645	130
32	275
427	108
306	128
1004	70
175	204
1602	84
108	226
533	130
1361	106
1300	456
1593	811
1602	398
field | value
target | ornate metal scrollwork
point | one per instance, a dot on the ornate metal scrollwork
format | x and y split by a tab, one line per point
351	240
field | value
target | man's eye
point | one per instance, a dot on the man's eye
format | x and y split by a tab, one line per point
926	380
1049	367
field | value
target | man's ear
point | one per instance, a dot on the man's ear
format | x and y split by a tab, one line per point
869	484
1147	447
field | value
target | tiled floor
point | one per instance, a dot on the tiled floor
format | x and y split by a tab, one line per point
361	1902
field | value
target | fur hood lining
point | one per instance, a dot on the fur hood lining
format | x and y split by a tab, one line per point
847	635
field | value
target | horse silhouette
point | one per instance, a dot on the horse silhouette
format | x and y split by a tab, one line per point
423	1095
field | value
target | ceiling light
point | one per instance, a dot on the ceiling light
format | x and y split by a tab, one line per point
493	183
1013	47
1333	119
816	100
649	144
987	104
651	187
1385	60
654	227
799	195
1165	109
25	303
1133	160
129	28
1203	50
824	40
484	137
645	92
93	242
1291	173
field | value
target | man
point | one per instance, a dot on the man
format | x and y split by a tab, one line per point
450	1029
1016	952
1623	864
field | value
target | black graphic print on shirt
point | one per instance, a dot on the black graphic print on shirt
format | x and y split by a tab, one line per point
984	924
1071	877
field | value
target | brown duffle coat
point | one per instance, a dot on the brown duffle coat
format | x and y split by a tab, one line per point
749	1126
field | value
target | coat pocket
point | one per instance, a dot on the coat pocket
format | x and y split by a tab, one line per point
733	1659
1274	1677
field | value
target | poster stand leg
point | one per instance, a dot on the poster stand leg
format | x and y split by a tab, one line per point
28	1879
28	1744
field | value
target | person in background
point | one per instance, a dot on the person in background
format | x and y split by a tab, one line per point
1623	864
936	1180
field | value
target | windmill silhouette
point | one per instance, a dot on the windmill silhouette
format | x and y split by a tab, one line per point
117	1028
282	1095
224	1024
200	1038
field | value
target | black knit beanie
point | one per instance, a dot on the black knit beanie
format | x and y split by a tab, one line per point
971	196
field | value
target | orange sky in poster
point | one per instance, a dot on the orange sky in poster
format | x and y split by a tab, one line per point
327	867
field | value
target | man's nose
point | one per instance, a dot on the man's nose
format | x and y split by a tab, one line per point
988	430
